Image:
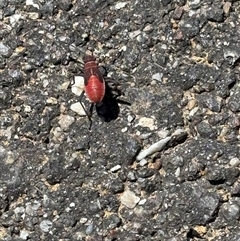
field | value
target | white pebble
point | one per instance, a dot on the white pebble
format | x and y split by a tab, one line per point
143	162
123	48
46	225
177	172
15	19
147	122
89	229
33	15
194	2
124	129
19	210
134	34
31	2
144	136
157	76
24	234
64	85
27	108
57	132
193	111
115	168
72	205
65	121
130	118
4	50
45	83
163	133
129	199
142	202
178	132
120	5
78	86
158	146
83	220
52	100
234	162
77	107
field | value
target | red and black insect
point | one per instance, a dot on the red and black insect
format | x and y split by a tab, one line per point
93	80
94	84
100	93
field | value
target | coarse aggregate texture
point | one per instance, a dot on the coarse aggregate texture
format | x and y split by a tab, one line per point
177	64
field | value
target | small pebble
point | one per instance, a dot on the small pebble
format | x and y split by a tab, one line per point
191	104
147	122
24	234
194	3
193	111
144	136
83	220
34	15
163	133
65	121
89	229
129	199
72	205
27	108
143	162
77	107
157	164
46	225
78	87
31	3
120	5
131	176
52	100
177	172
157	76
57	132
153	82
130	118
158	146
124	129
4	50
178	132
115	168
145	173
234	162
148	28
64	85
19	210
142	202
134	34
15	19
226	7
45	83
32	208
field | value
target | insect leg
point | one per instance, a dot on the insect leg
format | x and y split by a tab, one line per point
87	114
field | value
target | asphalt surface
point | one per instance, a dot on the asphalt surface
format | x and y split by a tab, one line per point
161	160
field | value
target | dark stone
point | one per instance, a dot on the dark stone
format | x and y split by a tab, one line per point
206	131
215	14
146	172
116	186
234	100
165	2
54	170
210	101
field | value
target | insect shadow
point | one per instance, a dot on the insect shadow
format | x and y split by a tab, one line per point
108	109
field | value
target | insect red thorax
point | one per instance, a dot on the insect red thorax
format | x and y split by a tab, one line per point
93	80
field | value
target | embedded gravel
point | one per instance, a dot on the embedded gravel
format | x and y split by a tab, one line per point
176	66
